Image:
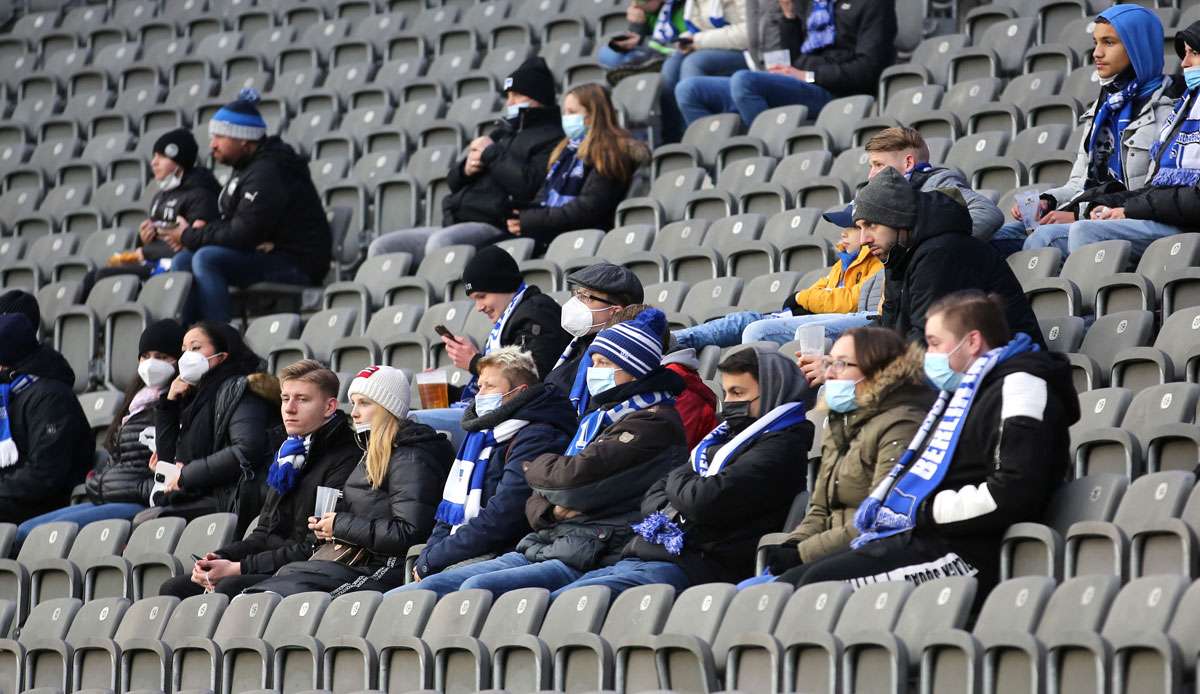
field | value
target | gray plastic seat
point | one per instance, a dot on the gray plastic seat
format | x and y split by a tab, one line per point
737	178
834	126
1073	292
1156	433
201	536
111	576
48	623
724	237
463	663
1166	260
585	661
1175	355
144	659
999	52
793	172
768	292
699	144
618	244
651	266
316	340
636	101
93	253
1106	338
1037	264
299	658
412	350
707	299
526	662
49	661
62	578
266	332
667	296
45	542
96	662
196	661
665	203
435	278
1063	334
369	289
572	247
407	662
1102	548
352	354
246	661
1156	661
768	135
350	662
1167	546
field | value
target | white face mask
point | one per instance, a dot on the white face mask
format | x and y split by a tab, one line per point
171	182
361	428
576	317
156	373
192	367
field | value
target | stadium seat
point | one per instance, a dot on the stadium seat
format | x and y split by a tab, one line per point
724	236
699	145
463	663
1073	292
1155	434
1164	261
1175	355
247	661
413	351
1109	336
205	534
316	340
50	662
350	662
45	542
49	623
369	289
572	248
196	660
651	266
54	577
666	201
1167	545
585	661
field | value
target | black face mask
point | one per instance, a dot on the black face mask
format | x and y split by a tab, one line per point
737	415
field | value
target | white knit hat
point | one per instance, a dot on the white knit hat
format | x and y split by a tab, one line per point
385	386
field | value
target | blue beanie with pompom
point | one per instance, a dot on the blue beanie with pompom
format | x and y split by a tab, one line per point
240	119
635	345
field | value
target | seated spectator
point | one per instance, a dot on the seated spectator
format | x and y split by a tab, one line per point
1170	203
835	52
45	443
598	292
590	171
119	484
389	500
513	420
904	150
992	458
584	500
272	226
185	189
831	301
212	423
502	171
653	27
877	396
1123	123
703	520
316	449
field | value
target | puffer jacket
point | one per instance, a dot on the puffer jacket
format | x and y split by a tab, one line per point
605	481
697	404
501	520
731	36
838	291
126	478
194	199
858	449
388	520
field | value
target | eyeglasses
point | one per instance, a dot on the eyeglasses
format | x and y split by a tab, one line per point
836	365
583	295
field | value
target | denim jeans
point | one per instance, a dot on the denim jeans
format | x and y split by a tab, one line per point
1009	238
82	514
1138	232
423	240
747	93
608	58
1047	235
751	326
214	268
680	67
500	575
631	573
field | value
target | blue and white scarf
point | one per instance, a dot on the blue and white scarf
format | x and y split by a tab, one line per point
289	460
820	30
892	506
600	419
657	528
1178	156
716	17
492	344
665	32
8	448
566	177
462	496
1113	115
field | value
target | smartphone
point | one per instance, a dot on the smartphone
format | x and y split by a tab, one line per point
684	41
615	44
443	331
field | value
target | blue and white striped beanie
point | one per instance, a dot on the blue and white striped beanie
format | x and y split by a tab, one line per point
240	119
636	345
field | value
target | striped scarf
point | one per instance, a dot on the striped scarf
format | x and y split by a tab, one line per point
8	448
665	32
600	419
820	30
492	344
289	460
1178	153
462	496
566	177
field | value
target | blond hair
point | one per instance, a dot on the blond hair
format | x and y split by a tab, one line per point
384	426
311	371
515	364
898	140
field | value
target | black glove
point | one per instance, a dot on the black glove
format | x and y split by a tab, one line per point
780	558
792	305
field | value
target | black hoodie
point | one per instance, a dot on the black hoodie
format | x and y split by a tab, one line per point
941	258
194	199
270	198
54	442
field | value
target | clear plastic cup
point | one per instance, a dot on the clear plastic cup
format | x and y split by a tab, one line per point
327	498
1027	203
812	340
434	389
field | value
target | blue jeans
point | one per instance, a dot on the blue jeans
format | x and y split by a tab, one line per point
630	573
751	326
82	514
685	66
747	93
1138	232
500	575
610	59
1045	236
214	268
1009	238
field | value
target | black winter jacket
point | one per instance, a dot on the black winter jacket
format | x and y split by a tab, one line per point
270	198
501	520
605	482
724	515
514	167
1013	453
536	327
388	520
125	477
51	432
864	44
194	199
563	377
941	258
282	533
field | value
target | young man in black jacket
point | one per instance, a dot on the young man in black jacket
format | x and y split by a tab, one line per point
317	449
503	170
836	50
272	226
991	453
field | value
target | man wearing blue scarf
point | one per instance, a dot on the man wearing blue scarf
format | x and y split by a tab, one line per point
990	453
1170	203
701	523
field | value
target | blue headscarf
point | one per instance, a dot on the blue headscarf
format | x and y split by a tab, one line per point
1141	33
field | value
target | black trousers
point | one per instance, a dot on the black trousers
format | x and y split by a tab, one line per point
182	586
901	557
334	578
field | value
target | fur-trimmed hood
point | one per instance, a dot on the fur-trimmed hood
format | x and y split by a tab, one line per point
265	386
905	373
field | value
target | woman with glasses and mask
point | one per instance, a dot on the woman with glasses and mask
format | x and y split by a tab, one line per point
876	396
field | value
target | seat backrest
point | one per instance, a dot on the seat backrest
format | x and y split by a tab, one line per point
296	614
325	327
1090	265
1115	332
816	606
348	615
875	606
795	169
851	166
452	314
266	332
196	616
1035	264
1102	407
678	235
729	233
1178	337
48	541
460	613
579	610
774	125
514	613
50	620
97	619
1153	498
147	618
770	290
722	291
1031	142
205	534
1143	605
1162	404
1014	606
99	539
1167	255
677	183
753	610
624	240
638	611
246	616
698	611
1079	603
164	294
737	176
1094	497
942	603
390	320
1185	626
400	615
111	291
790	225
445	264
666	296
1063	333
153	536
574	245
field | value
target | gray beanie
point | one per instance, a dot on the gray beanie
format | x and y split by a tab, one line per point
887	199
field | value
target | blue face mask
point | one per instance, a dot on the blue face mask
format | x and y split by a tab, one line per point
839	395
574	127
514	111
486	404
600	379
938	371
1192	77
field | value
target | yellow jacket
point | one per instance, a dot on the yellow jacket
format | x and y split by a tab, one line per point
825	296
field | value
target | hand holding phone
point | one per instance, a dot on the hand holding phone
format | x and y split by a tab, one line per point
444	332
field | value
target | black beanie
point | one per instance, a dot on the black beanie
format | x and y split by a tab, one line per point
1188	37
491	270
164	336
179	146
533	79
18	338
18	301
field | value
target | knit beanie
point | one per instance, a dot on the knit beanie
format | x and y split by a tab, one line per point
179	146
18	301
533	79
164	336
240	119
1188	37
492	269
18	338
635	345
887	199
385	386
